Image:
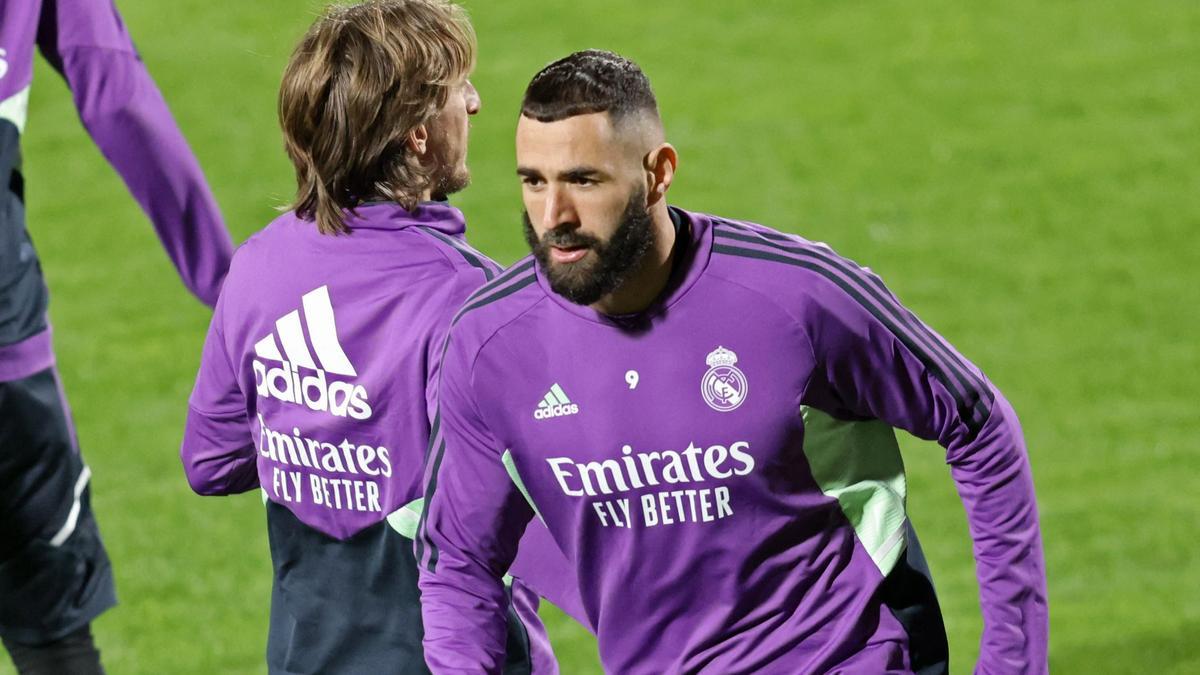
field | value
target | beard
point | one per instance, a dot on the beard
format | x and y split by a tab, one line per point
587	280
448	181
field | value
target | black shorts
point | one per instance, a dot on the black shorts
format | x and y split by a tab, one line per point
352	606
55	575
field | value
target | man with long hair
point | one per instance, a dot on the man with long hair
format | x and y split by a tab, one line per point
322	350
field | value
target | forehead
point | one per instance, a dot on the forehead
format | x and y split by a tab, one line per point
579	140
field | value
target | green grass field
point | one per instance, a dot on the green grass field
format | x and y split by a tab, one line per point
1025	175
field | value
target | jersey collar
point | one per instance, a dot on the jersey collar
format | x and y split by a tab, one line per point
381	215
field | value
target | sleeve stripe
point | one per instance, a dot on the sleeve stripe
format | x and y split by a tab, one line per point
972	397
499	294
874	286
504	278
436	430
973	410
430	488
510	281
473	257
431	474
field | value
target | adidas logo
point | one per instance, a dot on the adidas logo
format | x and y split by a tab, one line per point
555	404
298	378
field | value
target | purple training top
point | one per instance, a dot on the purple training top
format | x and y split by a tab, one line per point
121	108
317	376
314	374
719	470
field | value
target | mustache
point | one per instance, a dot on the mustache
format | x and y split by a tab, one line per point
569	239
566	235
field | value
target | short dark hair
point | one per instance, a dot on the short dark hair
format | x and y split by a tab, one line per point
586	82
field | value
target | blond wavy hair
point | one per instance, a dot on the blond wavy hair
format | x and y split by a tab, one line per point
360	81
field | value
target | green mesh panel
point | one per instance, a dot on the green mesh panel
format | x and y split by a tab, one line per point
859	464
511	467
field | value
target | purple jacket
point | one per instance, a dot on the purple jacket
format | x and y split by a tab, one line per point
314	374
719	470
319	370
121	108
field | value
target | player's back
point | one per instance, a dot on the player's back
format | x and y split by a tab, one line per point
330	345
331	338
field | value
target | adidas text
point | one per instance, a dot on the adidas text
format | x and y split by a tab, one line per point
285	383
559	410
316	391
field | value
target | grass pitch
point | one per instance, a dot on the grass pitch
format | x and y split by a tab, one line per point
1023	174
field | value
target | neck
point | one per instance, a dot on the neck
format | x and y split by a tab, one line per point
646	282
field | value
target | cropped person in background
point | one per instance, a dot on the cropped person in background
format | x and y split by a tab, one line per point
55	576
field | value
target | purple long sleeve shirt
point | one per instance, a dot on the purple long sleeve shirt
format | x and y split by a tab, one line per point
122	110
719	470
315	370
318	372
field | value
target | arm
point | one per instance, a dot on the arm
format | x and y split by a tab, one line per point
442	302
875	359
543	568
473	519
539	563
126	116
218	451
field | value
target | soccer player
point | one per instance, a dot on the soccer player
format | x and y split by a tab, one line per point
700	410
54	573
313	380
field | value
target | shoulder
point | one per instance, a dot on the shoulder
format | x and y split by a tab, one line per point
750	246
89	24
798	272
495	305
466	261
270	238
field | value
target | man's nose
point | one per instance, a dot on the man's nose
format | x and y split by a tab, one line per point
474	102
559	209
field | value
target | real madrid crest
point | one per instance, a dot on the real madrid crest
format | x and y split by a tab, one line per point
724	386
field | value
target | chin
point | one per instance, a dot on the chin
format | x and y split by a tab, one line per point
572	276
448	185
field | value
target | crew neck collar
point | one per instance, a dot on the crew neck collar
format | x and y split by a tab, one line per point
384	215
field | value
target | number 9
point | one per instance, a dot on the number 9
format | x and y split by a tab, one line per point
631	378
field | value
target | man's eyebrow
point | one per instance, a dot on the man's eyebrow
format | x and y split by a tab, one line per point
572	174
578	172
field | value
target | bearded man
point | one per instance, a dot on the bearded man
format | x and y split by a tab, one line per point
701	410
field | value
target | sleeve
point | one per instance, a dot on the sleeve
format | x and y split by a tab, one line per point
218	450
123	111
875	359
473	519
544	569
445	299
539	562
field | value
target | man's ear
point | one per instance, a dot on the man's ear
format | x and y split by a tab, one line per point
660	164
418	139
